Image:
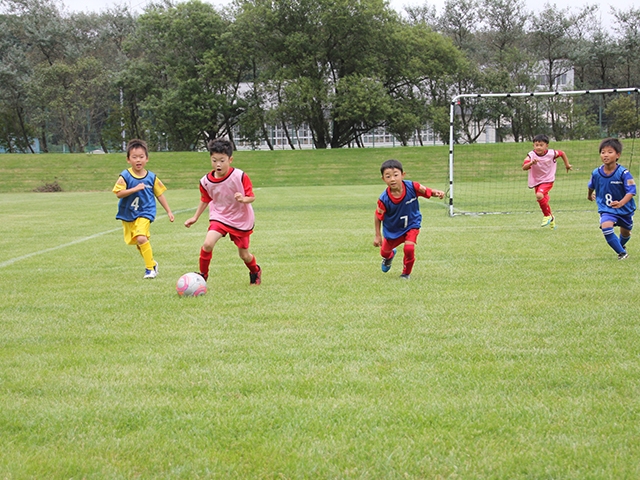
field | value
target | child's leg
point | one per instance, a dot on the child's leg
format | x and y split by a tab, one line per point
137	233
409	257
411	237
249	260
255	272
144	247
206	252
542	196
611	238
242	242
625	236
386	250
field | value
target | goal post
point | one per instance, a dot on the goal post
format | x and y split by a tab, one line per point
490	134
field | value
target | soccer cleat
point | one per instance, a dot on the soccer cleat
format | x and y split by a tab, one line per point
547	221
405	276
255	278
552	223
203	275
151	273
623	256
386	262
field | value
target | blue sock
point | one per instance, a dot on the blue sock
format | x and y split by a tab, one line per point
624	240
612	240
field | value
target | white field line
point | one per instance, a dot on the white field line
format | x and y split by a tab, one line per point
11	261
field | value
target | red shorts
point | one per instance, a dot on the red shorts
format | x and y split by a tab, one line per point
410	236
543	188
238	237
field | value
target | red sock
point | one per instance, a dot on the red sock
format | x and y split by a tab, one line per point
253	265
409	258
544	206
205	261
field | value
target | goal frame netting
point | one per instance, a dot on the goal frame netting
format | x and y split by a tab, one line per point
452	115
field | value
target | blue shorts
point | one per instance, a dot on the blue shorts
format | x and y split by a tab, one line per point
624	221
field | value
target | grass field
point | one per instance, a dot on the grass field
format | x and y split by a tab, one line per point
513	352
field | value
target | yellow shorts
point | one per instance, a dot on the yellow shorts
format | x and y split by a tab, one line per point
132	230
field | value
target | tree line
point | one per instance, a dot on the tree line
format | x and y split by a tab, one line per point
179	73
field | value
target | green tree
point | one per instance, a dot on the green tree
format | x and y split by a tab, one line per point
322	51
509	67
604	58
624	116
554	36
71	94
627	27
16	134
460	21
54	46
363	104
38	35
504	33
185	71
420	71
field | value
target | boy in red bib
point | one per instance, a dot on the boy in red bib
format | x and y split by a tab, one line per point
228	193
541	164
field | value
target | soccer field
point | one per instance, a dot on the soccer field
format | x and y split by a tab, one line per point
513	351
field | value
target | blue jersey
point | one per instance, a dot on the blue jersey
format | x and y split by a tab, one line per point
139	204
401	215
613	187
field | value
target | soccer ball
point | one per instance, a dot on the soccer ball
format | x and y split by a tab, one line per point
191	285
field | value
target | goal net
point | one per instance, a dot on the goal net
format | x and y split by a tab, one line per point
491	134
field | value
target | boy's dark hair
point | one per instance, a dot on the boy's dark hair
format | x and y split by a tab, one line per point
541	137
391	164
137	143
613	143
220	145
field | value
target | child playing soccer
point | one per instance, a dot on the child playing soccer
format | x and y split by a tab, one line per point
137	189
399	213
613	188
228	193
541	164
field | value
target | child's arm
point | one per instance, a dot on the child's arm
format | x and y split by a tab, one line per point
529	163
621	203
165	205
243	198
427	192
377	241
379	217
247	196
201	208
591	195
125	192
563	155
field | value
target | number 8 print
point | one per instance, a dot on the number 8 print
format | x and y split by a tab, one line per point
608	199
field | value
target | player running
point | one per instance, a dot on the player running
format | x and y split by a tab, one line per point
541	164
613	189
399	214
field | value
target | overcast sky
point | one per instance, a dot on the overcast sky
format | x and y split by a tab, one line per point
532	5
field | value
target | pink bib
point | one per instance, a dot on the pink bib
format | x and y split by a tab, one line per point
223	207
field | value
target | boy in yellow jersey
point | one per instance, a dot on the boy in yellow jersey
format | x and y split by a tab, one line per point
137	188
